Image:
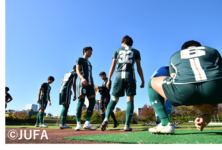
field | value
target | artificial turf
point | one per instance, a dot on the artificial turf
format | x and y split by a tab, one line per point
144	137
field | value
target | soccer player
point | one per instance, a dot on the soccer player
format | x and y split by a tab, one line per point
68	80
43	99
85	88
105	98
196	79
162	71
124	57
8	97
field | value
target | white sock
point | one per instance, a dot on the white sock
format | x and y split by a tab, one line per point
87	122
79	123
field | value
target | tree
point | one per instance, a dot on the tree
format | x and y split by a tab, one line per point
147	113
19	114
49	115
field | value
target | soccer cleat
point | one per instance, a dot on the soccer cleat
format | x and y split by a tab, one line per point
116	125
62	127
126	128
43	126
78	127
169	129
104	124
37	125
89	127
67	126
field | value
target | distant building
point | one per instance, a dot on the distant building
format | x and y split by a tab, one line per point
139	111
116	109
33	107
7	111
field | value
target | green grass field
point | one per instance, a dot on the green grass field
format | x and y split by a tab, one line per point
144	137
186	134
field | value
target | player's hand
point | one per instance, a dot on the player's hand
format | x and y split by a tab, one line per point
5	102
84	82
142	85
74	98
50	104
99	87
107	85
38	101
202	121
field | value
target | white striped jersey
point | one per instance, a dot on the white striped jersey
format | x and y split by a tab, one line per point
68	81
196	64
126	57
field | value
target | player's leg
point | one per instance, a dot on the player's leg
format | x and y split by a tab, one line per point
65	101
102	109
118	91
92	101
130	86
168	107
81	100
41	117
129	112
158	104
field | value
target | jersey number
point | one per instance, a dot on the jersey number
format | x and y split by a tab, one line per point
190	53
125	57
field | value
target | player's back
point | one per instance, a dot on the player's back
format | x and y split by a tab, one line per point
126	58
196	64
68	78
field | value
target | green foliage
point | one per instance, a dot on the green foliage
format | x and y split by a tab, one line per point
34	117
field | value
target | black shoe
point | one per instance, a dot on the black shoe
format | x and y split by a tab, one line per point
116	125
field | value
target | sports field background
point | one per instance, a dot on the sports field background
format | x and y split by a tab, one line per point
186	134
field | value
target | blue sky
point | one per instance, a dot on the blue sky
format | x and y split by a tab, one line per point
45	37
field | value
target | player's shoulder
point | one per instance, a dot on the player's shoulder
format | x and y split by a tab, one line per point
119	49
79	59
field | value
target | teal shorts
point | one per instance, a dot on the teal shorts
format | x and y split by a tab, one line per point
122	85
208	92
64	97
85	90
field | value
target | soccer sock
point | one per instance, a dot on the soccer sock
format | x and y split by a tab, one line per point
157	119
168	107
37	120
41	117
129	112
79	109
102	116
64	114
158	104
110	108
90	108
114	118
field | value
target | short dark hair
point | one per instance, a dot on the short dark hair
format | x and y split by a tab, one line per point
102	73
7	88
190	43
86	49
51	78
74	67
127	40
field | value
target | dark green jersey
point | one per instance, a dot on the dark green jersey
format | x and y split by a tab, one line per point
86	69
68	80
126	57
45	91
196	64
7	96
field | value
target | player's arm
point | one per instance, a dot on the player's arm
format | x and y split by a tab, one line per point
112	68
40	89
84	82
74	89
140	72
10	99
49	99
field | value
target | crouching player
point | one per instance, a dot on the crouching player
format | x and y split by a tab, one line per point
6	97
85	88
196	79
43	99
162	71
68	81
